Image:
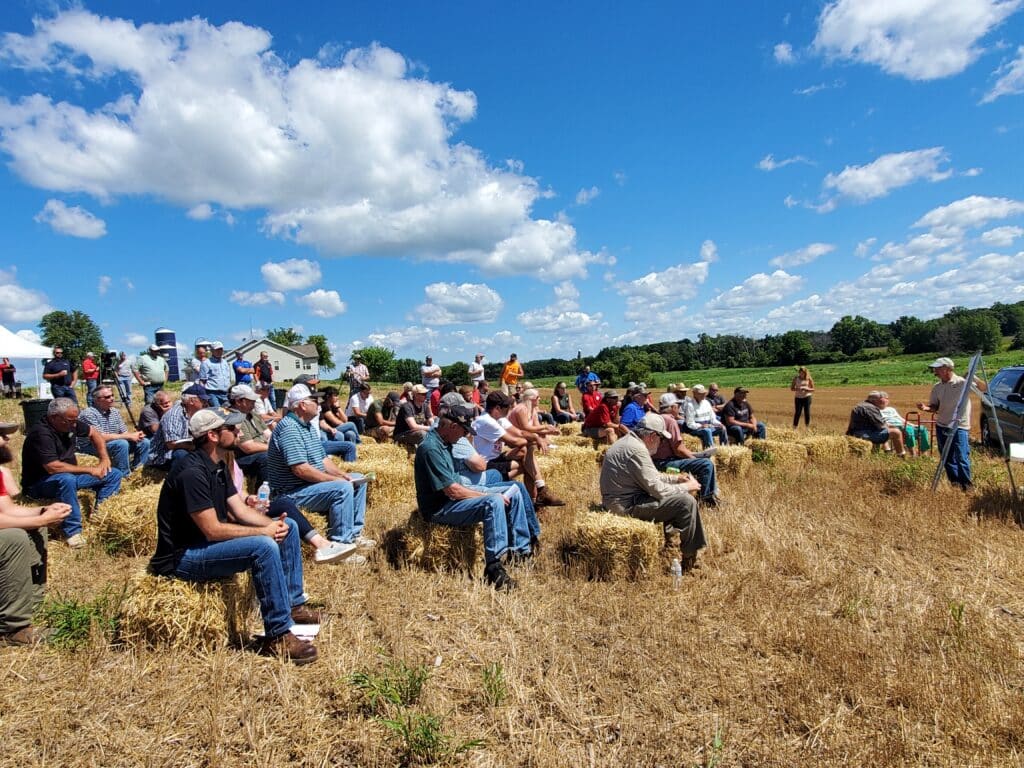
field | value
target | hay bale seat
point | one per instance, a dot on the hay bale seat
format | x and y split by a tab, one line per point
172	613
780	455
692	443
784	434
394	485
602	546
434	547
126	522
567	467
570	429
144	477
858	447
826	448
733	461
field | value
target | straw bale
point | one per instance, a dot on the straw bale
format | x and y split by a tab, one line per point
143	477
394	484
126	522
579	440
857	446
86	460
781	455
733	460
692	443
572	428
783	434
572	463
826	448
434	547
607	547
171	613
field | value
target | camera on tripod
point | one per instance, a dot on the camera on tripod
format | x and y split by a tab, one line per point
108	364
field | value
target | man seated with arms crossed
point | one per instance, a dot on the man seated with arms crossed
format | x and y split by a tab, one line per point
602	423
254	436
411	426
698	418
493	430
632	486
739	418
205	532
591	398
298	470
442	499
673	454
121	444
22	560
867	423
49	469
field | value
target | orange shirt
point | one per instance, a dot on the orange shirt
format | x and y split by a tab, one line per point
511	373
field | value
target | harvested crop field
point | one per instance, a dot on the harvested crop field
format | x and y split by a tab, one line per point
842	615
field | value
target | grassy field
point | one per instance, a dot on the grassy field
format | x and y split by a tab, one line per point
902	369
843	615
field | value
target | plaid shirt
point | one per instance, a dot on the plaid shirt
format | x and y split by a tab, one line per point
109	424
173	427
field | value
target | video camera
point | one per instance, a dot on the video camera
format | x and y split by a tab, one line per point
108	364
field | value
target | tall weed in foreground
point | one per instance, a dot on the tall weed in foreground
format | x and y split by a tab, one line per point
75	622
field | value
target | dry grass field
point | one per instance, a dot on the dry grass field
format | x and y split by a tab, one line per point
842	615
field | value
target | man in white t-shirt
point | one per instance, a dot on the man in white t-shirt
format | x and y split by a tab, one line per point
430	374
359	406
265	405
494	432
476	370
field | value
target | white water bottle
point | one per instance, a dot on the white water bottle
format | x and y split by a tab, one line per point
263	497
677	573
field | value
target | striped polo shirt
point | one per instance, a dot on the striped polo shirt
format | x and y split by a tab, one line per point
293	442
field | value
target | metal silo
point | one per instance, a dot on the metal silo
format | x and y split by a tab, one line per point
168	344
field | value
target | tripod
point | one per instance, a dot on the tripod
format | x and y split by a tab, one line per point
126	398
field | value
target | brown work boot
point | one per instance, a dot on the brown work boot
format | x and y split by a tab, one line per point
547	499
303	614
290	647
25	636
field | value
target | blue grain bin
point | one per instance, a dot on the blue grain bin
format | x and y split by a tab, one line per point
169	349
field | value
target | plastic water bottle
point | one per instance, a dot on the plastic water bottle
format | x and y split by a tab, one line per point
677	574
263	497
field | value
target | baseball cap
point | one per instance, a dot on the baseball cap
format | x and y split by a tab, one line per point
419	389
463	416
700	388
199	391
611	394
942	362
211	418
655	422
452	400
394	397
305	378
8	428
154	348
738	390
667	400
636	389
243	392
298	393
218	345
357	356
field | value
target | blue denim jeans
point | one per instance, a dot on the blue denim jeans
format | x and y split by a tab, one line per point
344	504
253	465
876	436
703	471
120	451
59	390
706	434
958	463
149	390
64	486
217	398
90	387
126	385
739	435
346	431
493	481
343	449
489	510
276	572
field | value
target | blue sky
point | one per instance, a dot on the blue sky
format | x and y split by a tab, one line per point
530	177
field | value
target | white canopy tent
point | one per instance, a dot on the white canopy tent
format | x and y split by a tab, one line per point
14	346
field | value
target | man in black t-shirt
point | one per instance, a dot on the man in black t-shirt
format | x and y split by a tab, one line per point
738	417
61	374
206	531
411	426
49	469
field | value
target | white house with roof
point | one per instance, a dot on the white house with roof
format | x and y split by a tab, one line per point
288	362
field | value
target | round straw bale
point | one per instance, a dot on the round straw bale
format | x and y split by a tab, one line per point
733	460
857	446
781	455
606	547
826	448
126	522
172	613
434	547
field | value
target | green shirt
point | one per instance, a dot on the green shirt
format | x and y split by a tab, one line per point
152	370
434	471
252	428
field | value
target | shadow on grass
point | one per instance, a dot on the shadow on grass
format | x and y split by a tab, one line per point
995	503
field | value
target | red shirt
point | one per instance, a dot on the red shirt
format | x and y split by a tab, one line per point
601	416
590	401
3	488
90	370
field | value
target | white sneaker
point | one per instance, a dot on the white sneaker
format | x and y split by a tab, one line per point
333	553
355	560
76	542
364	543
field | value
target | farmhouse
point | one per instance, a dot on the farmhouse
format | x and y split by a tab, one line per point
288	362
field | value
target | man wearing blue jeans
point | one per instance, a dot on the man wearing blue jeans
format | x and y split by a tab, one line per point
867	423
49	469
443	499
122	445
206	532
944	398
739	419
671	452
297	469
62	375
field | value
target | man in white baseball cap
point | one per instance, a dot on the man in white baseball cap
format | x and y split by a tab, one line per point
944	397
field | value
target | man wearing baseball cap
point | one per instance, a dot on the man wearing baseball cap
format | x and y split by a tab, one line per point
150	370
944	397
217	375
739	418
671	453
205	532
698	418
631	485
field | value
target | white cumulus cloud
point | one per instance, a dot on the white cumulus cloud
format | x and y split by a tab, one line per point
915	39
17	303
756	291
1000	237
257	298
323	303
138	340
862	183
291	275
450	303
804	255
970	212
200	212
29	335
357	156
783	53
563	316
74	220
1010	79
